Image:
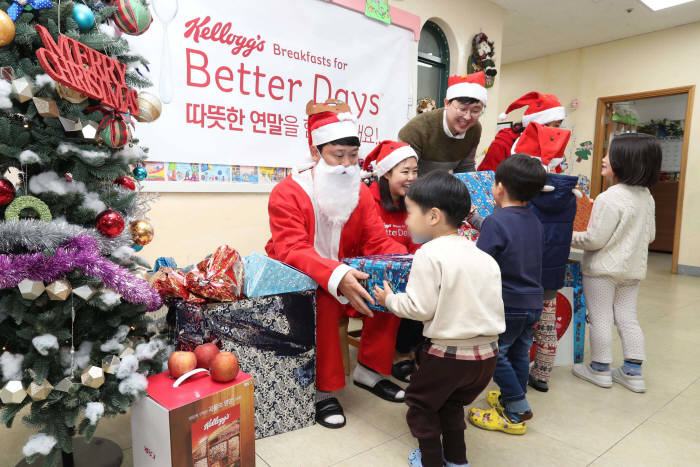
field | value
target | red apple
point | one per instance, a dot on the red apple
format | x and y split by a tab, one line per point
180	363
224	367
205	354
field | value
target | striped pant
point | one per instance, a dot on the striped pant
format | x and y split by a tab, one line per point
545	341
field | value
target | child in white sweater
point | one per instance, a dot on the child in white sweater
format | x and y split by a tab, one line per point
615	248
455	290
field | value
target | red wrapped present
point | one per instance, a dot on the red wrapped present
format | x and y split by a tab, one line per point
219	277
170	283
584	207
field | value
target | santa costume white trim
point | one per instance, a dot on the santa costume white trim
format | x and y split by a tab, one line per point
472	85
541	108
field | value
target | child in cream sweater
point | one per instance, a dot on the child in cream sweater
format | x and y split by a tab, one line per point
455	290
616	245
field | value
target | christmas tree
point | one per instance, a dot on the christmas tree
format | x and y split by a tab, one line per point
76	344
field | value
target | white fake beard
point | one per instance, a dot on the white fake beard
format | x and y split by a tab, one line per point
336	191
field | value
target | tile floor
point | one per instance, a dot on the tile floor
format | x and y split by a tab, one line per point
575	424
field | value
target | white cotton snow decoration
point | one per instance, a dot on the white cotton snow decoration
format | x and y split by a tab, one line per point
51	181
81	357
5	91
11	365
39	443
149	350
29	157
92	156
93	202
128	366
110	298
135	384
115	343
44	79
123	253
94	411
44	343
131	153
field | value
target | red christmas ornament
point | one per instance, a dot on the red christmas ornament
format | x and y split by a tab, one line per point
126	182
7	192
110	223
68	177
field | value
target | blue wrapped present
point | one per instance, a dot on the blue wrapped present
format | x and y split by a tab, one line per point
479	185
164	262
393	268
266	276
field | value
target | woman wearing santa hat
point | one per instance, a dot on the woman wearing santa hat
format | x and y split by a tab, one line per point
446	138
395	165
544	109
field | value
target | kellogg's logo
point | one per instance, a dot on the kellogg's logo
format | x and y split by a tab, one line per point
199	28
216	422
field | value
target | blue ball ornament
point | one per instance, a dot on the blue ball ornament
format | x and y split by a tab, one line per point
140	173
83	15
136	247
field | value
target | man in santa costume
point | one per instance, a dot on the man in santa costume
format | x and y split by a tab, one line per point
544	109
447	138
320	215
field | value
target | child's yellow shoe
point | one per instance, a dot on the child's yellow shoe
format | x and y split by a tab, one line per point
493	420
493	399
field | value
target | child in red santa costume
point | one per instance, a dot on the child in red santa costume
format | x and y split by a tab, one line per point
544	109
320	215
395	165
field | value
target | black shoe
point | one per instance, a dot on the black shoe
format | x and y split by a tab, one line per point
402	370
538	385
384	389
325	409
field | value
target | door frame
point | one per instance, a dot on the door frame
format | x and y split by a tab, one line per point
598	143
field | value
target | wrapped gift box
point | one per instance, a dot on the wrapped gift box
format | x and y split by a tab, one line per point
266	276
274	338
584	207
200	423
479	185
392	268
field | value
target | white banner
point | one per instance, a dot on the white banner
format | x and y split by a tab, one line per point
242	73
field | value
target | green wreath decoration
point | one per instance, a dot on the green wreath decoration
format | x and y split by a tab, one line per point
31	202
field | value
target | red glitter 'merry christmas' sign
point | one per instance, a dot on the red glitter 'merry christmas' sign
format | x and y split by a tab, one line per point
86	70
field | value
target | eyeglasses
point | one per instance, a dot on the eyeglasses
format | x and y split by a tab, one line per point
463	112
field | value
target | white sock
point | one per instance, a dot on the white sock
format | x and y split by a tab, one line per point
332	419
364	375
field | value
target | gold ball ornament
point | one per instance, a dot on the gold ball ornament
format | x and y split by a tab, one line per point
39	392
59	290
31	290
7	29
141	232
13	392
93	377
111	364
67	385
150	107
71	95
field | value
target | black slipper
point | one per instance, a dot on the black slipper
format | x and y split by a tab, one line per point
325	409
384	389
402	370
535	383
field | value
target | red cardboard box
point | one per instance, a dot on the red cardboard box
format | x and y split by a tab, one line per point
201	423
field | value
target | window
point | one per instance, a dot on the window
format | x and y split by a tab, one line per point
433	63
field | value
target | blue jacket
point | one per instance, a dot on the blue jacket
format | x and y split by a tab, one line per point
556	210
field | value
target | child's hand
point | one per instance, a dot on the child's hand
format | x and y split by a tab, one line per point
380	294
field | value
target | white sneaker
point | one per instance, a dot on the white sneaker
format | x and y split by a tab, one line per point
599	378
634	383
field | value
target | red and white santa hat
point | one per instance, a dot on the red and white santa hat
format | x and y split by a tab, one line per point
329	121
473	85
541	108
386	155
545	143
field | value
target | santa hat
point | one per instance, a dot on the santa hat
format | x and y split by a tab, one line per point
473	85
329	121
386	155
544	143
541	108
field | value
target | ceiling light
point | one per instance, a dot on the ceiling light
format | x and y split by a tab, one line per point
657	5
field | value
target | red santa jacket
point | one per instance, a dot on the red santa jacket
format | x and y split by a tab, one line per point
292	223
500	149
394	222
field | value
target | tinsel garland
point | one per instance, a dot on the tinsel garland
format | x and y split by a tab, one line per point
81	252
35	235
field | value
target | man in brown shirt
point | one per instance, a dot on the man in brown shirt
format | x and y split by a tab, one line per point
447	138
